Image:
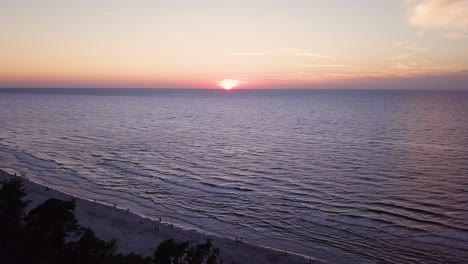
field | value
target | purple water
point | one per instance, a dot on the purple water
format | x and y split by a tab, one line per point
346	176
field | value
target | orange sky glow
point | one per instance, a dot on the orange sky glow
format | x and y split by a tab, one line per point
261	44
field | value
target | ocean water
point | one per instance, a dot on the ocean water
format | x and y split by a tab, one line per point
345	176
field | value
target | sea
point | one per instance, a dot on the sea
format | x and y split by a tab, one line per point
346	176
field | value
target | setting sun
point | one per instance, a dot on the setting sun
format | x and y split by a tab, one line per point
228	84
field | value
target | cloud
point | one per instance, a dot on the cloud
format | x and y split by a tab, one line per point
252	53
406	58
409	59
325	66
446	15
315	55
283	51
402	43
455	35
305	53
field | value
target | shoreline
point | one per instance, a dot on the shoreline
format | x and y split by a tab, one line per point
139	234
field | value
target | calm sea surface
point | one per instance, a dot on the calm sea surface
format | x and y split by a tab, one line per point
345	176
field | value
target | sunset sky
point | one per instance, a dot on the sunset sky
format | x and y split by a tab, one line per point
261	43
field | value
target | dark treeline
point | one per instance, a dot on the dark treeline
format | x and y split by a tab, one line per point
51	234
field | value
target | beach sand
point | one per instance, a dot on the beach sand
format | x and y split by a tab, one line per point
142	235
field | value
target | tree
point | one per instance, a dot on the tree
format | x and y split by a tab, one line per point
169	252
12	204
50	234
53	220
89	249
203	253
47	227
131	258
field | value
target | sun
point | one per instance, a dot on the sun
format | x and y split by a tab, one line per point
228	84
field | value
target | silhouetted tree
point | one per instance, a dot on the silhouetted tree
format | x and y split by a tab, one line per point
53	220
50	234
169	252
88	249
203	253
12	205
48	225
131	258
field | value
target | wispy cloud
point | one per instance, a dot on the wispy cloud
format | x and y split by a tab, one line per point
315	55
305	53
411	60
446	15
252	53
407	53
325	66
402	43
283	51
455	35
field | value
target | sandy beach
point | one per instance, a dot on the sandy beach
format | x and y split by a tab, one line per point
142	235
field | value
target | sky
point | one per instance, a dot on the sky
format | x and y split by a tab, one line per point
384	44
